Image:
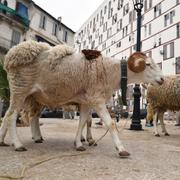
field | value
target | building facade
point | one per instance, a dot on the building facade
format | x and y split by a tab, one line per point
112	30
22	20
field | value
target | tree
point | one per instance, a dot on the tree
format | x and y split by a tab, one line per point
4	87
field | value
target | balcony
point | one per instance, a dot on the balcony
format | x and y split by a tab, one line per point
11	14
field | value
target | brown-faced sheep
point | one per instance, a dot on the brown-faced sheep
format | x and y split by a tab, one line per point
55	76
163	98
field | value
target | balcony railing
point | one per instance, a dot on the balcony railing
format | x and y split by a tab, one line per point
14	14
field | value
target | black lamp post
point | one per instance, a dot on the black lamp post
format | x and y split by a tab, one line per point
136	121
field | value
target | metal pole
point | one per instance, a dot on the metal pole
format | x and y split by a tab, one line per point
136	121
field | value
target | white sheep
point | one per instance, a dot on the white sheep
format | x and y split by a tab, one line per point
163	98
55	76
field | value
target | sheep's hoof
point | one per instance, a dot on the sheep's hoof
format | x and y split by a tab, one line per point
91	142
3	144
21	149
39	141
124	154
83	139
80	148
157	135
167	134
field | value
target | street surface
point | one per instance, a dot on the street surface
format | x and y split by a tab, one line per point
152	158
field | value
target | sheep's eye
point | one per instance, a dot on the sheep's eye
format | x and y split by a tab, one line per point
148	64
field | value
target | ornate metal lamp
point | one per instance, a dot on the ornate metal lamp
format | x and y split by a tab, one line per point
136	121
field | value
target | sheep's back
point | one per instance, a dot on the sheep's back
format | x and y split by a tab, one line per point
23	54
166	96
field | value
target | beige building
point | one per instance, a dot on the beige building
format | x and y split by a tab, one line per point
22	20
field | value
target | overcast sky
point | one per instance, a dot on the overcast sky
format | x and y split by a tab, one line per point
73	12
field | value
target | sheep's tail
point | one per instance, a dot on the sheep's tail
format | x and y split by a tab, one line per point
24	53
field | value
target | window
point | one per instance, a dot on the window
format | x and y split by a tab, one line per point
54	30
43	22
109	32
109	9
178	30
101	13
147	5
130	16
90	24
159	41
105	9
105	27
168	18
172	14
93	45
160	65
120	4
94	24
178	65
125	9
145	30
104	46
90	39
65	37
125	31
16	36
100	39
118	44
97	33
168	50
114	19
97	18
119	25
149	29
157	10
150	4
22	9
102	21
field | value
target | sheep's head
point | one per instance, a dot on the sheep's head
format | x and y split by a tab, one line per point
144	69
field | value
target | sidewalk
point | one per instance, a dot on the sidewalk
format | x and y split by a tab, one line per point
152	158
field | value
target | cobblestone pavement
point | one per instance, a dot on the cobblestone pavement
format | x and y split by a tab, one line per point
152	158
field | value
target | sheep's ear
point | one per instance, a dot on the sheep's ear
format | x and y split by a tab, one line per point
136	62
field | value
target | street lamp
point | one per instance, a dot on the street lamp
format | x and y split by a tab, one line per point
136	121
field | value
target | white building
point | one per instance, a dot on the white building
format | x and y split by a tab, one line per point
112	29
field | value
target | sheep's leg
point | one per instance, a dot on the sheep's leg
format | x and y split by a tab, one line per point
162	124
9	123
4	128
155	119
83	119
89	138
110	124
35	127
35	130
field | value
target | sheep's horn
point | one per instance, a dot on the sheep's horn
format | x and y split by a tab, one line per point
136	62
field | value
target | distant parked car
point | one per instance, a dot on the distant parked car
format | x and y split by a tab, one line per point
46	113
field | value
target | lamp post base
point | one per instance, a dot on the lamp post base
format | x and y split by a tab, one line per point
137	127
136	120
